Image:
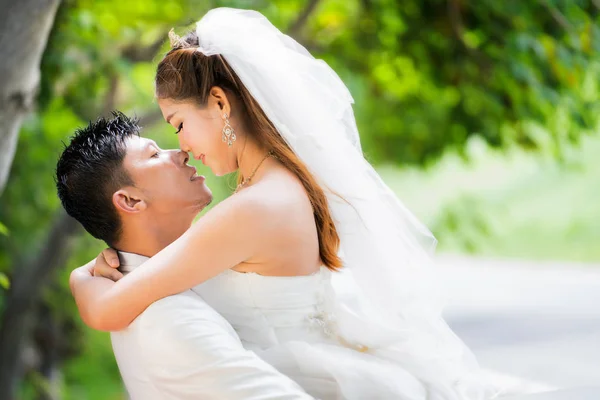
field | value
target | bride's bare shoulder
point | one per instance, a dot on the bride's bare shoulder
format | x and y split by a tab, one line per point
281	189
278	193
277	197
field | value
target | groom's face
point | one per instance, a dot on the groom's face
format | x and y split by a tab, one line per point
163	179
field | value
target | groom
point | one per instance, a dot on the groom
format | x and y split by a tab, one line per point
139	198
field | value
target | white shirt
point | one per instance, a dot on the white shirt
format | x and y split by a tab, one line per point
181	348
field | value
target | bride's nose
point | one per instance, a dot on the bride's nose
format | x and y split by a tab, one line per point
183	146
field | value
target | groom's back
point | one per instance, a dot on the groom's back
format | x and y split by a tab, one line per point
181	348
150	343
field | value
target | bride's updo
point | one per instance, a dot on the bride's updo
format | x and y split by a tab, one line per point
185	74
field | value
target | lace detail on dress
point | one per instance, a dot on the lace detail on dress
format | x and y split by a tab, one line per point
324	317
324	321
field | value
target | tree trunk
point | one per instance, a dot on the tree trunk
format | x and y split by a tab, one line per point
24	29
25	290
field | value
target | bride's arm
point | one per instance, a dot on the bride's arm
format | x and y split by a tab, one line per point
226	236
84	287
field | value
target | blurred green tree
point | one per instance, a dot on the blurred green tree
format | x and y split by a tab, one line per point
432	73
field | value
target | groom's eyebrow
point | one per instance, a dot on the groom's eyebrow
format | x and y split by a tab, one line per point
149	145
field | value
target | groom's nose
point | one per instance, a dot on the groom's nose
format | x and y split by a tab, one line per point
182	157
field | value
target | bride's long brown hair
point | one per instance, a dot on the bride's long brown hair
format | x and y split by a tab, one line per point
185	74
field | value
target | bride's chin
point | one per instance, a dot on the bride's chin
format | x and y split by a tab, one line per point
222	171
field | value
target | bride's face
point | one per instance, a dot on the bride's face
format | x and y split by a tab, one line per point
199	131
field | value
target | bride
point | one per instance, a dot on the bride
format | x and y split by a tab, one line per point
314	261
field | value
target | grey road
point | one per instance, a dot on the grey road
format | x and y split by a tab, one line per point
538	321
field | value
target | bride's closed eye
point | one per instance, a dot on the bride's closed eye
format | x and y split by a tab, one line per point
179	128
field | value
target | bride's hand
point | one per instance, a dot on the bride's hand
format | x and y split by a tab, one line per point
106	265
92	294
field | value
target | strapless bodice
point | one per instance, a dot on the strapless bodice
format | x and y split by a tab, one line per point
269	310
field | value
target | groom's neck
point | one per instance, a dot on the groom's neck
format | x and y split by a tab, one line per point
147	238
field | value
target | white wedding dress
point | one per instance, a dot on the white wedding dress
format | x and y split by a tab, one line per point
384	339
290	323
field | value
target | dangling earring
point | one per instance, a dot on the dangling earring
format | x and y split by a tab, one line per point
228	132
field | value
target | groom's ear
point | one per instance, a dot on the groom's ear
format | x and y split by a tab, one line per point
128	201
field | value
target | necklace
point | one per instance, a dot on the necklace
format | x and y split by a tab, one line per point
248	179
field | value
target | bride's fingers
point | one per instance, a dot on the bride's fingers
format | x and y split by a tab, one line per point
111	257
104	270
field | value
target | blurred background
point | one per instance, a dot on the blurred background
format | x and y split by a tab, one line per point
483	116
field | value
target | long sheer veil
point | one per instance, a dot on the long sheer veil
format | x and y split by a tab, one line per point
386	250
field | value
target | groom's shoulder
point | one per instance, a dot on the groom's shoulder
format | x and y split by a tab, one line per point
182	309
180	323
177	303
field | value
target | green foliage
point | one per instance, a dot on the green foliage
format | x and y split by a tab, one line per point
509	204
3	229
436	72
4	281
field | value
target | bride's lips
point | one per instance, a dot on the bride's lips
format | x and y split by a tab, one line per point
201	157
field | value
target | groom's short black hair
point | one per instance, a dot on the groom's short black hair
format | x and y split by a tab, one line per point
90	170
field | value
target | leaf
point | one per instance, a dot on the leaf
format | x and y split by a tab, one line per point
4	281
3	229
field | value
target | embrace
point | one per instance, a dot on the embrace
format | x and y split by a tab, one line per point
310	281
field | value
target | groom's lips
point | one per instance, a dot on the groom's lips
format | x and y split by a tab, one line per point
194	175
